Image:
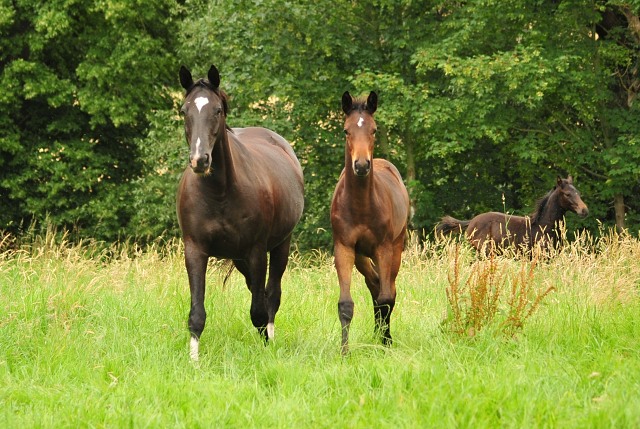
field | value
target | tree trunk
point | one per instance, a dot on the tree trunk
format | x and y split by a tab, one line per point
618	205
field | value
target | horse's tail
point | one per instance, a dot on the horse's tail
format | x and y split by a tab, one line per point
228	266
449	225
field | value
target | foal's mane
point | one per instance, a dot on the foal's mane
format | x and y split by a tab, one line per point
541	205
359	105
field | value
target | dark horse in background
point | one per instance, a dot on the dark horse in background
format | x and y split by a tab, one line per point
495	231
369	214
240	197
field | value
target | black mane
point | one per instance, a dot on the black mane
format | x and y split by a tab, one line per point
541	205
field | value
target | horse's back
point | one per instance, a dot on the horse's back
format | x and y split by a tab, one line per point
263	139
494	225
389	177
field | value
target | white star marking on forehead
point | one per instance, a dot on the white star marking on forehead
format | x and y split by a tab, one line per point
360	121
201	102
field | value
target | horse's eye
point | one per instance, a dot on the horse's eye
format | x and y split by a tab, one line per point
375	131
181	112
346	132
219	111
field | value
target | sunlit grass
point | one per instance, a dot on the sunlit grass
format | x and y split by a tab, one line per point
95	336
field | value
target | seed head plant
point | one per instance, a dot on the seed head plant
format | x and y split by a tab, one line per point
491	298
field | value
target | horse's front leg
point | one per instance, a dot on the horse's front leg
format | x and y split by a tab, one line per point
196	263
344	260
257	262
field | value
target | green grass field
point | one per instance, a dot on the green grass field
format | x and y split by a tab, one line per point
92	338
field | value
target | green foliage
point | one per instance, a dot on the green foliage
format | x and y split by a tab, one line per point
479	101
76	91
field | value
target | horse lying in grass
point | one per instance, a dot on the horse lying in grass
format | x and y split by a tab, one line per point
492	231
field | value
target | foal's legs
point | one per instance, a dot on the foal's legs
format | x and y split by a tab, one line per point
388	262
279	257
196	262
344	259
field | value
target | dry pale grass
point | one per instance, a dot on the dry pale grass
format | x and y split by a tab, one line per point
603	269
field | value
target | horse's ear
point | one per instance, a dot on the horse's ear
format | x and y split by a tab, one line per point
214	76
347	102
559	181
372	102
185	78
570	180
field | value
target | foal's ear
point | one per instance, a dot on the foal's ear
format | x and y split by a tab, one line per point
372	102
570	180
214	76
347	102
559	181
185	78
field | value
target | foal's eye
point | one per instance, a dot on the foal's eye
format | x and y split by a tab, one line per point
346	132
219	111
375	131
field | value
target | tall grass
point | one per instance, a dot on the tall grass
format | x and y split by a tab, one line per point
94	335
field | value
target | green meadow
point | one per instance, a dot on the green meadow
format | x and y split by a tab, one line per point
95	337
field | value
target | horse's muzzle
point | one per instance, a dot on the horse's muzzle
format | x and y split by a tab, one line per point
583	212
361	168
200	164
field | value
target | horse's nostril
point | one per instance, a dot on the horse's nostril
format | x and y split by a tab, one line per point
206	159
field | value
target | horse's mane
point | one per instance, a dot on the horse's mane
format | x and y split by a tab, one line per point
359	105
220	93
541	205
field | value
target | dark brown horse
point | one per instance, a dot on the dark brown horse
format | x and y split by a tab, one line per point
496	231
369	216
240	197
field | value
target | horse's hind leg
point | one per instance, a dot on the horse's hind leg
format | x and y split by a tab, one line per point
257	263
279	257
196	262
372	279
388	263
242	266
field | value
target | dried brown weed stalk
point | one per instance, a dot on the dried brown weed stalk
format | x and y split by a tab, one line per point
488	294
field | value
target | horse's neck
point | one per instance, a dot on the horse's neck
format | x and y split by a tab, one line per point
360	189
222	171
551	214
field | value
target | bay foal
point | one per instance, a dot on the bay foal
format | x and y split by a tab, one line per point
369	214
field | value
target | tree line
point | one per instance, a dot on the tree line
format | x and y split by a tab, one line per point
481	103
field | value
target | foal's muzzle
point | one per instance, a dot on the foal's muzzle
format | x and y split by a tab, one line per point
200	164
361	167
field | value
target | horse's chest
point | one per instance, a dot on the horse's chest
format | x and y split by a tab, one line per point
227	235
366	240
